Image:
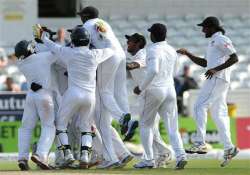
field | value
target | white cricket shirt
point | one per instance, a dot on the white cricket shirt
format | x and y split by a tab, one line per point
81	63
161	61
218	51
138	74
37	68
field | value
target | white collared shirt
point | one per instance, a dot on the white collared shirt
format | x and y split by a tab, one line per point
81	63
161	60
218	51
37	68
139	74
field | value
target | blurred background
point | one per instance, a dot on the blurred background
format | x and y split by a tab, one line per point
128	17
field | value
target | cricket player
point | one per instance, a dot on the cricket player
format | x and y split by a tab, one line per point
159	95
111	84
137	67
220	55
39	103
79	98
59	81
111	74
114	152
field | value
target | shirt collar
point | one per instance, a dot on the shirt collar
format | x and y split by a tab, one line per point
216	34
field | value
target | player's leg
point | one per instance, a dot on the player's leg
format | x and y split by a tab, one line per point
168	111
29	120
152	101
45	108
162	153
120	87
86	114
96	156
103	124
121	150
106	74
68	107
121	91
219	113
201	106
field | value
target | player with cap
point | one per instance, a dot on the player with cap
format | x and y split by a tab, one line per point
110	71
159	95
111	85
220	56
136	65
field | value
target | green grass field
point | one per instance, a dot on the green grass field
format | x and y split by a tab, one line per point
194	167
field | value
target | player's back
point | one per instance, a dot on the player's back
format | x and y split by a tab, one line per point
167	58
82	63
37	68
81	68
96	37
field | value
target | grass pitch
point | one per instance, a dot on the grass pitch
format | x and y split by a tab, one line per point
194	167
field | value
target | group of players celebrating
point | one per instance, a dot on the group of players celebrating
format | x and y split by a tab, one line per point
78	89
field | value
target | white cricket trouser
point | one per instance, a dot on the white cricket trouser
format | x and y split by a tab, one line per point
76	100
38	105
159	146
120	91
213	95
106	76
109	136
163	101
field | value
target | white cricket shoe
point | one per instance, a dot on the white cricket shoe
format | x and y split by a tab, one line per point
59	159
181	163
84	159
39	162
68	157
145	164
163	160
108	164
23	165
125	160
228	155
197	148
95	159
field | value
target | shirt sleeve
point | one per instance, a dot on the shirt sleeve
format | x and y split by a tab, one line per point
141	60
102	54
59	51
152	69
225	45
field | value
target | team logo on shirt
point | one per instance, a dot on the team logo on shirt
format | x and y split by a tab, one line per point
226	45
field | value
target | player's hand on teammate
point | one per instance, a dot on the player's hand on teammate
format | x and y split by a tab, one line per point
137	90
210	73
182	51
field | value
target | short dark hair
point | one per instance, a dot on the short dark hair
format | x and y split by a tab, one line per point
89	11
159	31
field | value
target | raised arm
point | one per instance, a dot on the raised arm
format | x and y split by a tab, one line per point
59	51
197	60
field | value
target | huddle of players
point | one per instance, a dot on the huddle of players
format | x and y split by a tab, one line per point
83	87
